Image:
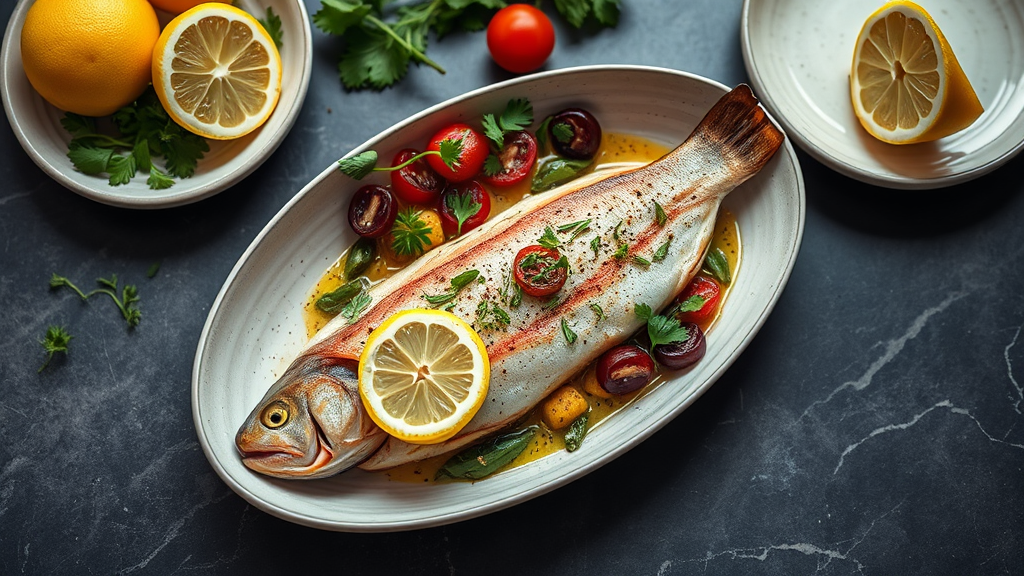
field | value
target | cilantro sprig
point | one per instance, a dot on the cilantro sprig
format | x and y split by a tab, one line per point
126	303
411	234
359	166
272	24
661	329
518	115
145	132
463	207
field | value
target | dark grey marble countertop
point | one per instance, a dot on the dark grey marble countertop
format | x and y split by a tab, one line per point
873	426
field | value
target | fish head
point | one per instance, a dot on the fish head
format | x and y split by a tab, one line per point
311	423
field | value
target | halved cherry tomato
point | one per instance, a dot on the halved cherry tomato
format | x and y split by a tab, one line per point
417	183
517	156
457	192
535	271
706	288
471	158
520	38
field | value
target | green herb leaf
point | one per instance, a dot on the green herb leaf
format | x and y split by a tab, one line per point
542	136
579	226
562	132
549	239
664	330
89	159
359	258
570	336
493	165
55	341
158	180
662	251
615	233
78	125
490	317
272	24
549	268
552	303
641	261
716	263
354	309
121	169
621	252
598	310
450	151
463	207
555	171
457	284
493	131
659	214
411	234
153	269
643	311
595	245
691	304
335	301
337	16
576	432
518	115
358	166
486	458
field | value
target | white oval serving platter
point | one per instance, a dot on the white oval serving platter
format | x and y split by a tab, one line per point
36	123
255	326
798	55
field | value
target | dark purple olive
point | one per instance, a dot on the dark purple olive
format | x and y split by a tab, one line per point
624	369
682	354
574	133
372	211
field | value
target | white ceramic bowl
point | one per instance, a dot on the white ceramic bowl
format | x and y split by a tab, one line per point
798	55
255	327
37	124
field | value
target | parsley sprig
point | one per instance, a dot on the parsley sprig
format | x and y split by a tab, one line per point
490	316
145	132
518	115
359	166
55	341
463	207
661	329
272	24
126	303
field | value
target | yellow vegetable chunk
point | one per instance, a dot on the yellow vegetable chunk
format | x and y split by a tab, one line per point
562	407
592	386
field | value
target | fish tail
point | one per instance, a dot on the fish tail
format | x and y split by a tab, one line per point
741	131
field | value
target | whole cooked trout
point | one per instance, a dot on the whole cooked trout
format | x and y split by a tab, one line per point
312	424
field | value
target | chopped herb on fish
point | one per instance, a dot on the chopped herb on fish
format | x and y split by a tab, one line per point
641	261
661	252
659	215
595	245
570	336
615	233
354	309
457	284
548	239
621	252
597	310
660	329
490	316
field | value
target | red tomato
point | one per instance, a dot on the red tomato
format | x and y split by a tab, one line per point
471	158
417	183
520	38
706	288
517	157
455	192
529	267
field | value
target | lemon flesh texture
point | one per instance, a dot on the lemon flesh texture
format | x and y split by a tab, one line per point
421	381
89	57
217	72
907	85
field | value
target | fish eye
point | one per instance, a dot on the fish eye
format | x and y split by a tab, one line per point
274	415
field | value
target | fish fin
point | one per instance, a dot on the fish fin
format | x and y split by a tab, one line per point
740	128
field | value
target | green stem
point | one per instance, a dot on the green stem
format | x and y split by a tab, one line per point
113	297
108	140
409	161
412	50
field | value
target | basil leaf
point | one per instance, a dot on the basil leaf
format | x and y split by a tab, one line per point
485	459
359	257
556	171
576	432
718	265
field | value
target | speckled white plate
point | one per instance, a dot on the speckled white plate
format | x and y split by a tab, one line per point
37	124
255	327
798	55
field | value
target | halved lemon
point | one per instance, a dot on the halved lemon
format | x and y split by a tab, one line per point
906	84
423	375
216	71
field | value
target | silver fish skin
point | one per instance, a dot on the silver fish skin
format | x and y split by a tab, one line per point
531	356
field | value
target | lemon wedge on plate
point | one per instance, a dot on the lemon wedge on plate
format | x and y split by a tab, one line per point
216	71
423	375
906	84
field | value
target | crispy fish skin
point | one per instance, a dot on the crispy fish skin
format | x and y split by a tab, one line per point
531	357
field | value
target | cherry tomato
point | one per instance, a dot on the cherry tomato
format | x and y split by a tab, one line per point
625	368
520	38
456	192
706	288
417	183
471	158
517	157
535	271
372	211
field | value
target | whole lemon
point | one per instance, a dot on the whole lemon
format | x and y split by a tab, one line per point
179	6
89	57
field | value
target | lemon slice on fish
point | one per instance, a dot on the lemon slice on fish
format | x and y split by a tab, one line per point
906	84
423	375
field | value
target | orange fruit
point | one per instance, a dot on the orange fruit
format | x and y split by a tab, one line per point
216	71
906	84
90	57
179	6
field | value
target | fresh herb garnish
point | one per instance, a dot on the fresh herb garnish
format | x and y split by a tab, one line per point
577	228
659	214
55	341
660	329
542	135
549	239
717	265
272	24
518	115
358	166
562	132
153	269
493	165
484	459
491	317
662	251
145	132
621	252
595	245
570	336
457	284
552	303
550	266
125	303
411	234
576	432
511	292
355	307
555	171
335	301
615	233
598	310
641	261
691	304
463	207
